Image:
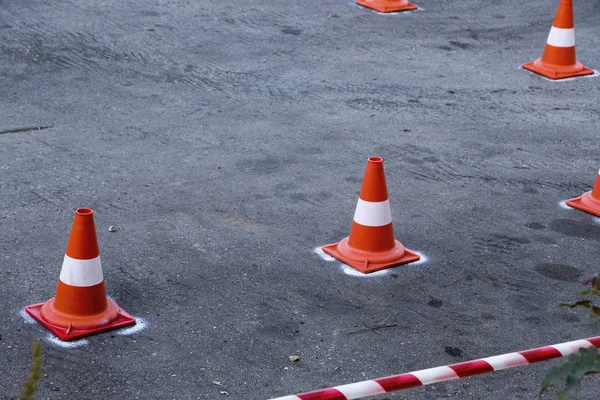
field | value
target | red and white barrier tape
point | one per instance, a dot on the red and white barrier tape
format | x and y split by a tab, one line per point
423	377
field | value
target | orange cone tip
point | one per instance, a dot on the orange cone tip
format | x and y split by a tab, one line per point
80	307
371	245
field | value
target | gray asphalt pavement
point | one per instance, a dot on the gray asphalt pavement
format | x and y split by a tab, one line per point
226	141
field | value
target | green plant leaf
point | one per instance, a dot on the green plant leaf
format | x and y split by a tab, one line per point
586	362
35	373
590	292
594	309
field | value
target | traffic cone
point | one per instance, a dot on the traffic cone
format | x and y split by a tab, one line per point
371	245
559	60
80	307
388	6
589	201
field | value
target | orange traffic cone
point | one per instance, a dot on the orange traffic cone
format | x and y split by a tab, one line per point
80	307
589	201
559	60
388	6
371	245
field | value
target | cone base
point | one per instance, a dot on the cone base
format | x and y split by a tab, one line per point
586	203
367	262
119	320
557	72
386	6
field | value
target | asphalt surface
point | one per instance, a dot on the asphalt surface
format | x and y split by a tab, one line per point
226	141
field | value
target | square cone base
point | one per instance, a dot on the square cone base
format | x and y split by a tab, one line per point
386	6
578	204
555	75
123	319
365	266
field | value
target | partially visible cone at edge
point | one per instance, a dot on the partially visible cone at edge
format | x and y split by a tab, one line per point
371	245
559	60
80	306
388	6
589	201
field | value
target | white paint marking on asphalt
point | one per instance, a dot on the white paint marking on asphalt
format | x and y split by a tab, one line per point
348	270
26	317
423	259
563	205
140	325
324	256
50	338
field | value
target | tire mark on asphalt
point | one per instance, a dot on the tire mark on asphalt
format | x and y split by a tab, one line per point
259	19
38	195
525	283
439	316
237	219
107	206
39	42
373	329
497	243
508	181
424	165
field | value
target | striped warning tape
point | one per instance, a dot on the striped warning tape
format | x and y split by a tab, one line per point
423	377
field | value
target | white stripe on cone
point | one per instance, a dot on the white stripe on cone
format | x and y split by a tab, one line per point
81	273
370	213
572	347
360	389
560	37
506	361
438	374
